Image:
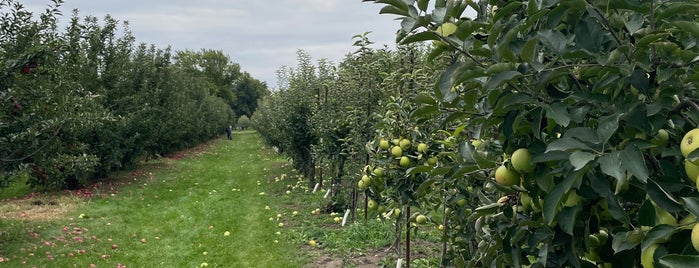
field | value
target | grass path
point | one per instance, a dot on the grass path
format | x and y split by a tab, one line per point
206	210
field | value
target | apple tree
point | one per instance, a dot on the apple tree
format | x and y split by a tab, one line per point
600	93
81	102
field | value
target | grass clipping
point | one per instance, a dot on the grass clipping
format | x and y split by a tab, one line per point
39	208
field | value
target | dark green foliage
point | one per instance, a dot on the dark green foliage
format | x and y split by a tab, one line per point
585	86
82	102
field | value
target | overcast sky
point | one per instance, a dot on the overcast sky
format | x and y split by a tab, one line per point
260	35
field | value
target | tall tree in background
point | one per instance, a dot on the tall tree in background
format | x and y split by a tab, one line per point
248	91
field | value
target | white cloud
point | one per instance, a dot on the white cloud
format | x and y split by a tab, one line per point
259	35
186	20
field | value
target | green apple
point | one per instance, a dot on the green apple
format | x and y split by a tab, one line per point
695	237
396	151
690	142
404	161
522	160
432	161
396	213
603	236
379	172
366	179
661	138
404	144
420	219
422	148
372	204
593	241
692	170
506	177
383	144
664	217
361	185
647	256
461	202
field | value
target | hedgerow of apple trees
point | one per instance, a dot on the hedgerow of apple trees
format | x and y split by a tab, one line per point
81	102
598	93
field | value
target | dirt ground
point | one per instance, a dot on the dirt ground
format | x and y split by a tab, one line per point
369	260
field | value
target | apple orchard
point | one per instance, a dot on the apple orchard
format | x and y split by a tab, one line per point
540	133
536	133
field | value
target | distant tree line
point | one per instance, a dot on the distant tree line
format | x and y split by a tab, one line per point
80	102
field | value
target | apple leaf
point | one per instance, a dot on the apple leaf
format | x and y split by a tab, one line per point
419	37
609	163
439	14
692	204
425	187
632	161
607	125
554	40
580	158
550	156
626	240
679	261
488	209
583	134
693	155
446	80
393	10
422	4
529	50
399	4
601	187
418	169
646	214
446	29
566	144
567	218
499	78
688	26
662	197
634	23
553	199
659	234
408	24
559	113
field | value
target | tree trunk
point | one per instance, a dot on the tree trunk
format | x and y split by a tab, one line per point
407	236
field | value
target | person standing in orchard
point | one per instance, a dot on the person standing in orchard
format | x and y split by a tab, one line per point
229	132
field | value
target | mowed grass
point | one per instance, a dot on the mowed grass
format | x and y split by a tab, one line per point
206	209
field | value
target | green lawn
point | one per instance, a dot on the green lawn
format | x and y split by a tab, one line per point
205	210
218	205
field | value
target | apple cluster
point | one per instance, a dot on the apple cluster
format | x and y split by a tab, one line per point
520	162
691	167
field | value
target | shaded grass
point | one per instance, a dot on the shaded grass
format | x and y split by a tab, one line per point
16	188
358	243
203	210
